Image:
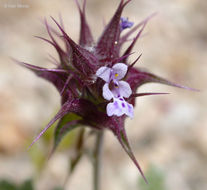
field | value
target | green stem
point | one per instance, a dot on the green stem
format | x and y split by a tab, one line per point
97	159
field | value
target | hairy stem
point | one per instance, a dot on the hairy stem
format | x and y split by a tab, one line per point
97	159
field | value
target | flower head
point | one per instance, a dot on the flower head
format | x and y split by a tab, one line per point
89	80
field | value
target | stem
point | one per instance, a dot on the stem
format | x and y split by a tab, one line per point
97	159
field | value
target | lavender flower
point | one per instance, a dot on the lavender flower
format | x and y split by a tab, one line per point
112	77
119	89
125	23
90	74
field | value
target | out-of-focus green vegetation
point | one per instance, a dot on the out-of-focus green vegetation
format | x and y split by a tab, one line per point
8	185
58	188
155	179
26	185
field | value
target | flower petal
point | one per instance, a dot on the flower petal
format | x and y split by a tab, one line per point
104	73
119	70
107	94
120	107
126	107
130	110
125	23
114	109
124	89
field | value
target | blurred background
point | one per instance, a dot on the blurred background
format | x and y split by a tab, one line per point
168	134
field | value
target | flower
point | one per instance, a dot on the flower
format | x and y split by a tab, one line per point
116	89
125	23
83	94
112	77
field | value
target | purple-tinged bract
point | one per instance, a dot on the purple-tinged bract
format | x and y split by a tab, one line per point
97	85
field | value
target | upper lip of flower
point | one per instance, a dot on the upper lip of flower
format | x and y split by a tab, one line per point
117	72
114	75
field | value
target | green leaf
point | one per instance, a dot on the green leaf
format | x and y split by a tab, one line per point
64	126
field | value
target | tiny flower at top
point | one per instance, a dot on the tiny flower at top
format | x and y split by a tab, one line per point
116	89
125	23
